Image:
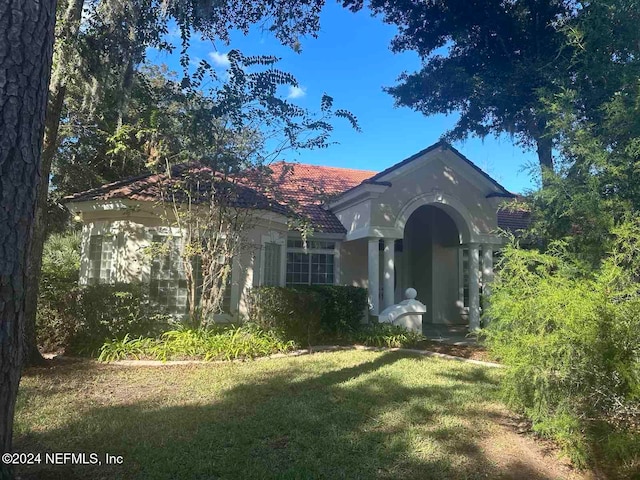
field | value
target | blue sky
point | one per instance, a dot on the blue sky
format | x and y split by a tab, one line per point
351	61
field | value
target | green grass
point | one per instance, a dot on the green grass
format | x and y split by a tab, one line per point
354	415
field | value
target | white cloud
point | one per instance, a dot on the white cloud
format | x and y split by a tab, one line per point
219	59
296	92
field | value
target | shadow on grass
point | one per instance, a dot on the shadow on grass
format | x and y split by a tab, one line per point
356	422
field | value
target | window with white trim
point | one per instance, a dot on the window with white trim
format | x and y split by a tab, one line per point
314	265
167	281
100	259
168	287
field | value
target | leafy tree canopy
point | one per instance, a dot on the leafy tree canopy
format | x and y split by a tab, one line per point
488	60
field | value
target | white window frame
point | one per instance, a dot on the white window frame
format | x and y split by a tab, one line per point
335	253
113	241
164	232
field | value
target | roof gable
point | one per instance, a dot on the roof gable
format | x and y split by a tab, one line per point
309	187
387	174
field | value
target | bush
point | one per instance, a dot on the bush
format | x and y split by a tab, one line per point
291	314
79	319
57	314
570	339
341	307
308	314
216	343
107	312
386	335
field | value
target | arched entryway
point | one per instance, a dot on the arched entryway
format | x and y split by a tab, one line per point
441	259
430	263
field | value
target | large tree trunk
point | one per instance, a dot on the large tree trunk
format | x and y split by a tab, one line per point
545	158
26	49
544	144
544	150
68	31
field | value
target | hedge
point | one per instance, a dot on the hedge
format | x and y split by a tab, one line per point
308	314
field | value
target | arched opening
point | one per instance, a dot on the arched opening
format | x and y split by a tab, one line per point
431	263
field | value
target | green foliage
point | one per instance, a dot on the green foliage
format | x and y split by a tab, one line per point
570	338
308	314
106	312
79	319
58	293
342	307
489	61
215	343
385	335
595	119
292	314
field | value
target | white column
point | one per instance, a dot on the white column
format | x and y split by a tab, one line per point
389	267
487	277
474	287
487	269
374	276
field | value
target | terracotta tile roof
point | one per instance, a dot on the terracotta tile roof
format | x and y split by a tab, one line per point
514	220
311	186
147	188
305	187
310	183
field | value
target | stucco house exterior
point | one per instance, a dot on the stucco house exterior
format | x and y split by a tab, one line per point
429	222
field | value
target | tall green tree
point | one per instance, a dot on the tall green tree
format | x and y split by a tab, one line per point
99	60
596	121
26	50
228	134
487	60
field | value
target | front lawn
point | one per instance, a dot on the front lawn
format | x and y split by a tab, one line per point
353	414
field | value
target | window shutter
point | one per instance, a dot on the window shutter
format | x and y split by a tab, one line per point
272	259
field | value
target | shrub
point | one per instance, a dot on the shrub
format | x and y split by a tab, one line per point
308	314
56	319
571	341
385	335
341	308
215	343
113	311
291	314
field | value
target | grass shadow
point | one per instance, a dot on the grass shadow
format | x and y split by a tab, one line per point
362	416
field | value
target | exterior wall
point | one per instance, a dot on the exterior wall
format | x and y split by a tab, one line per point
133	235
129	258
357	217
436	176
419	254
439	177
445	271
353	263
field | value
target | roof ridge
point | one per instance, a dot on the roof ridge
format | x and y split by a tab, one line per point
325	166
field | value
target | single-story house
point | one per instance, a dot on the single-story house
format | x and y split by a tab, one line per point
430	222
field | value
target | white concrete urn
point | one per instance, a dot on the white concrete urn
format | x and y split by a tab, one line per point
408	313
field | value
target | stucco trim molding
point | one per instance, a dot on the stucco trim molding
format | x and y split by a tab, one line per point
456	209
